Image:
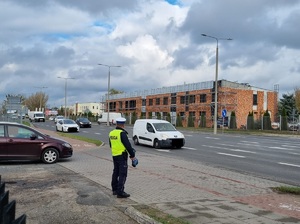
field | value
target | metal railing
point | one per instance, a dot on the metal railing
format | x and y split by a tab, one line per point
8	209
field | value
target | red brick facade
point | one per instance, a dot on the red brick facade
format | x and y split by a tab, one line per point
239	98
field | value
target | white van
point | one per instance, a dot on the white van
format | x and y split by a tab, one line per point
112	117
36	116
157	133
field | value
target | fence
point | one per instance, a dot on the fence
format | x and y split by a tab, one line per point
8	209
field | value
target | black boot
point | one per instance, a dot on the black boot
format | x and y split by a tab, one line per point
123	195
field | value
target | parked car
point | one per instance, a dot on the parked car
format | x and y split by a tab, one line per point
83	122
51	118
59	117
67	125
20	142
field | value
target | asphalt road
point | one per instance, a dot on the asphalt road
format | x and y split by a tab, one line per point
272	157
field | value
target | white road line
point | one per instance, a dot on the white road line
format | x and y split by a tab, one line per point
244	144
275	147
162	150
250	142
234	150
97	133
225	154
189	148
294	153
289	164
212	138
291	146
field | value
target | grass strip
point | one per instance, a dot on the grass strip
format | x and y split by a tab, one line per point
287	190
81	138
158	215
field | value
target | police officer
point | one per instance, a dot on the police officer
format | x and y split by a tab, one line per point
120	148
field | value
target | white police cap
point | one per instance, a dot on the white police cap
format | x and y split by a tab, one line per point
121	120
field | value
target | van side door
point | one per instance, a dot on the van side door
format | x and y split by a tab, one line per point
149	134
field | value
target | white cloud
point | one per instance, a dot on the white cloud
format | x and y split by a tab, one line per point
156	43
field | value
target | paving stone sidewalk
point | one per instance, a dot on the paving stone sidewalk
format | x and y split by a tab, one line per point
193	191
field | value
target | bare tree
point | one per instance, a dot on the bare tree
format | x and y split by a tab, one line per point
36	101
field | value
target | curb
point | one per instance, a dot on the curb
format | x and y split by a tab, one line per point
139	217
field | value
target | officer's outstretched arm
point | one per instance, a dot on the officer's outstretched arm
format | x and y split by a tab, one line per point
126	143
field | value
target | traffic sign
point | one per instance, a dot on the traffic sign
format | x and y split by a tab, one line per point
224	112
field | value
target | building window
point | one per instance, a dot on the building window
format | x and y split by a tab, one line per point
132	104
182	99
192	99
213	97
165	100
150	102
173	100
255	99
192	114
182	115
202	113
143	102
202	98
173	109
157	101
120	104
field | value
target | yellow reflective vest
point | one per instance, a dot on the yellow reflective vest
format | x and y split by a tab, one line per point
117	147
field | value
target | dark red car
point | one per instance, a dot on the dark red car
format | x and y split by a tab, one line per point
20	142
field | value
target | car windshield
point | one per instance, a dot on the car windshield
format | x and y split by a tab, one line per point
83	119
68	121
164	127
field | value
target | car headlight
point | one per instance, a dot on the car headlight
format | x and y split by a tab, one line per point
67	145
164	136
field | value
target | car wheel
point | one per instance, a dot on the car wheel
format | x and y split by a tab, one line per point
156	144
136	140
50	155
62	129
56	128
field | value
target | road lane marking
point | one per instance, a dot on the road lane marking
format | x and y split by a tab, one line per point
275	147
189	148
289	164
245	144
212	138
291	146
233	155
97	133
250	142
163	150
235	150
294	153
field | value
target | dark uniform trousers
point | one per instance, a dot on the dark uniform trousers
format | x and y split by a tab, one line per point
119	173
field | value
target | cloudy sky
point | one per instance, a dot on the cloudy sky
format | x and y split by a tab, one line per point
157	43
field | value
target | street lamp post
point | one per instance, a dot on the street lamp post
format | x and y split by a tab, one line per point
108	87
216	79
65	92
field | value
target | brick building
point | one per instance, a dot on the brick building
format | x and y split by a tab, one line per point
197	99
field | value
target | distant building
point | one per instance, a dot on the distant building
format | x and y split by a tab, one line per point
197	99
82	108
